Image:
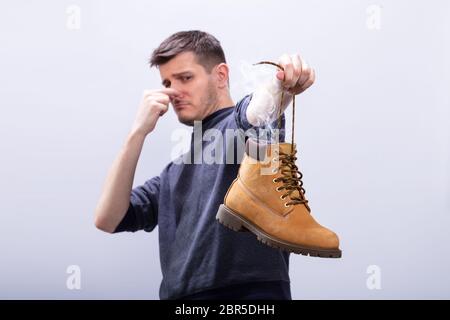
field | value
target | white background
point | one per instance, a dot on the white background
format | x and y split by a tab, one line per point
373	135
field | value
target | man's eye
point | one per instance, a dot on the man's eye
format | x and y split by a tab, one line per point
186	78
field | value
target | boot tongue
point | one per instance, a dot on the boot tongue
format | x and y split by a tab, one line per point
281	147
286	148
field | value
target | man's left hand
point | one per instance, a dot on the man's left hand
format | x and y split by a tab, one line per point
297	75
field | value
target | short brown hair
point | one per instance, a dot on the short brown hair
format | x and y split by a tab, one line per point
207	49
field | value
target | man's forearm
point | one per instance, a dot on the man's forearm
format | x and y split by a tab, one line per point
266	100
115	197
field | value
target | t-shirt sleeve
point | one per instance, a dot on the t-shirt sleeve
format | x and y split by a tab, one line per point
240	114
142	213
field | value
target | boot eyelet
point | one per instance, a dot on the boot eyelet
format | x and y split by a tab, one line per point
273	180
282	197
275	160
287	205
274	170
278	189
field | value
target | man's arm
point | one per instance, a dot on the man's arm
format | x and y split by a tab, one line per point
115	198
296	78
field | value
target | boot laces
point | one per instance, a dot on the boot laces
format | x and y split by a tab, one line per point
291	177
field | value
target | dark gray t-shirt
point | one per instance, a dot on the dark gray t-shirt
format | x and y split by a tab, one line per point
197	253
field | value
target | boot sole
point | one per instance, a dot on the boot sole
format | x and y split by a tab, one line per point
235	222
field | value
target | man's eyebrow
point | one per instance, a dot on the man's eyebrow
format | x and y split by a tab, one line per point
176	75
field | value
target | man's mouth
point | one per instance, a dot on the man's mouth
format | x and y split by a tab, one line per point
180	105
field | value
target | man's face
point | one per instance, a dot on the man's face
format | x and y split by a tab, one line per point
198	93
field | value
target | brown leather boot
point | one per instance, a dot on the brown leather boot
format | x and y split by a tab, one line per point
273	206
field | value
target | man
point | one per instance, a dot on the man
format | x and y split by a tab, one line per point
200	259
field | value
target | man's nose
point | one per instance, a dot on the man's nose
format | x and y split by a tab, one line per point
180	94
176	99
177	87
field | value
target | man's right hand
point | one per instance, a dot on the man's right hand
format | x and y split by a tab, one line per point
153	105
115	198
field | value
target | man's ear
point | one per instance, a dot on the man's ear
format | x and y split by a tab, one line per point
222	72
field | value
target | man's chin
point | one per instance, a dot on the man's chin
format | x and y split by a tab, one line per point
189	121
